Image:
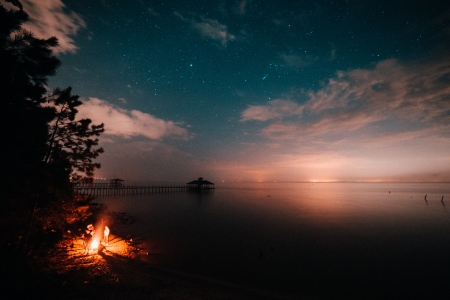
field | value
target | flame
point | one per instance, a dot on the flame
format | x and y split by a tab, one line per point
94	244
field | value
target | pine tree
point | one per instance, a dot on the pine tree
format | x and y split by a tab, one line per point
42	145
26	62
73	140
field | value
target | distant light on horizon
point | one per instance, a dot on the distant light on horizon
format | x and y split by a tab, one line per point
297	112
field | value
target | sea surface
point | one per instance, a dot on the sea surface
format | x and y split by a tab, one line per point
328	240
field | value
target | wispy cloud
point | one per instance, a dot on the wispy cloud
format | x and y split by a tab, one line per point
332	52
209	28
152	12
152	160
124	123
298	61
391	98
50	18
242	7
273	110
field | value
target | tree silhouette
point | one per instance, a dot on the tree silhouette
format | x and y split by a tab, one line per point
72	140
26	62
43	144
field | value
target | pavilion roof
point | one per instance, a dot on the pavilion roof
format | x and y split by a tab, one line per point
200	181
117	179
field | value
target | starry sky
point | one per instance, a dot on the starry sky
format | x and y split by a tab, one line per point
252	90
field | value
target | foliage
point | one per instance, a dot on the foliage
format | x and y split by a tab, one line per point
42	145
72	140
25	64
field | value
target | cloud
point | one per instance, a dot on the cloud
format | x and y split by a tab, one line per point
390	98
242	7
389	122
152	12
274	109
332	52
151	160
297	61
49	18
210	29
124	123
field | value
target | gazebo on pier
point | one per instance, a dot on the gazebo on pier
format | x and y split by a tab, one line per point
116	183
200	184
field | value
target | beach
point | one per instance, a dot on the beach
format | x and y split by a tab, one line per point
117	271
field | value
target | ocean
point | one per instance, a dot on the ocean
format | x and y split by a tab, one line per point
327	240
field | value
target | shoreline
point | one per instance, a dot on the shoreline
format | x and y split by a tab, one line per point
118	272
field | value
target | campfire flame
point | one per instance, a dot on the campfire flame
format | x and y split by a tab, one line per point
95	242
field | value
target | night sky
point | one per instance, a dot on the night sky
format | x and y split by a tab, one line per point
259	90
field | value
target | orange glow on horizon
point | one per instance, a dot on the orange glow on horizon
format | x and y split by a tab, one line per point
323	180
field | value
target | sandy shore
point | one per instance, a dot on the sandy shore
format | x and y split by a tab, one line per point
118	271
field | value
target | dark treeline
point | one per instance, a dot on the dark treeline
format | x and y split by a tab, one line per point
45	148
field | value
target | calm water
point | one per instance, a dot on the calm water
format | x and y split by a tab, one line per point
320	239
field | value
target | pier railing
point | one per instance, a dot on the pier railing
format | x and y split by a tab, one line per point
107	190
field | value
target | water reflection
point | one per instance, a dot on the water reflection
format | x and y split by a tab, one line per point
302	235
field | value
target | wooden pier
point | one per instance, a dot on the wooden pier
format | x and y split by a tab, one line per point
101	189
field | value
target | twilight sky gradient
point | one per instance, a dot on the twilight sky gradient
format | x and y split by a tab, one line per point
259	90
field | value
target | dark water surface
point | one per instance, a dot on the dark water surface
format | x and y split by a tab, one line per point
322	239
